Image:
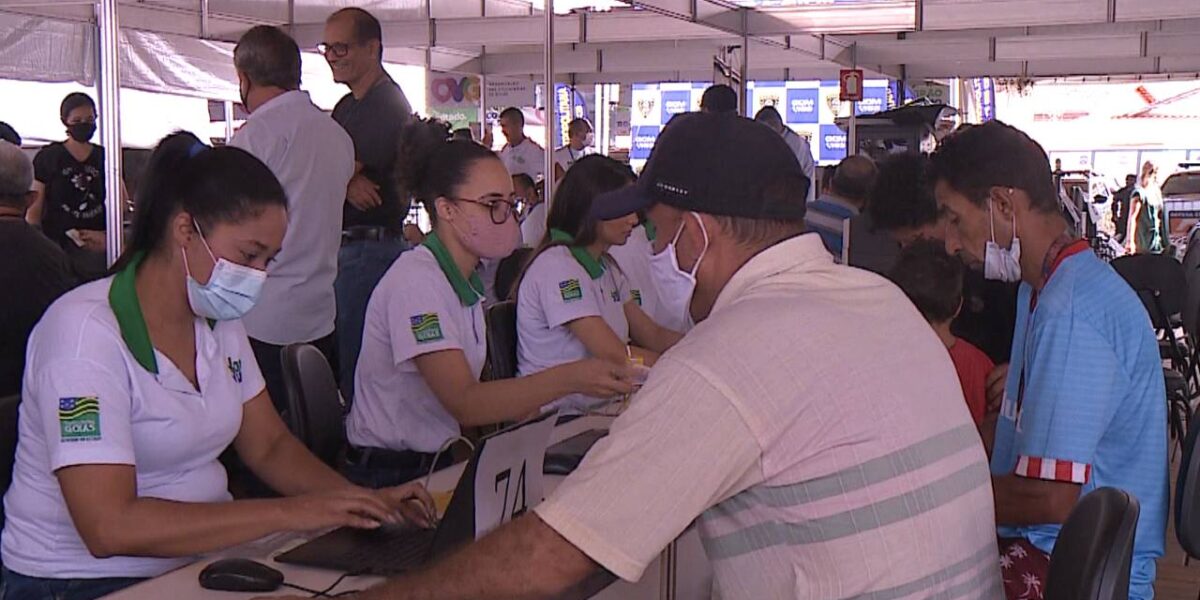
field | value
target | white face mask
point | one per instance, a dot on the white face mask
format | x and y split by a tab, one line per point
676	286
1000	264
231	291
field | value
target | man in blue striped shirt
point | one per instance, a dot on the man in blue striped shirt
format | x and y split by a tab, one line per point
1083	404
845	198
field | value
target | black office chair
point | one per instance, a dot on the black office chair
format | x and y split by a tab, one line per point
1094	550
1161	284
502	340
1187	495
508	270
8	444
316	410
1191	296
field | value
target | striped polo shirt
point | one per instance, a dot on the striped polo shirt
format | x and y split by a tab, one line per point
815	427
826	215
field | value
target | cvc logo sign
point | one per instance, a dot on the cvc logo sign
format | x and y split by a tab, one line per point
448	90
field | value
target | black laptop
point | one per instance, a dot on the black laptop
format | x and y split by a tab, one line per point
390	550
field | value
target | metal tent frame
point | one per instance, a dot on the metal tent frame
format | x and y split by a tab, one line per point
651	40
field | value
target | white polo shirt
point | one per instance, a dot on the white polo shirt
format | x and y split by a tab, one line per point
526	157
814	426
556	290
313	157
97	392
422	305
533	227
566	156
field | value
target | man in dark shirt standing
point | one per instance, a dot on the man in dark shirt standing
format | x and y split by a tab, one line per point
373	113
30	264
1120	207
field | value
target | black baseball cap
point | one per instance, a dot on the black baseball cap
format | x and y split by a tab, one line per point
725	165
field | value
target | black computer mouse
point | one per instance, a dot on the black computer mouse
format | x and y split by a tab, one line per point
240	575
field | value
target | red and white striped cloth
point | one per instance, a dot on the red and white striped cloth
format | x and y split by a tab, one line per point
1053	470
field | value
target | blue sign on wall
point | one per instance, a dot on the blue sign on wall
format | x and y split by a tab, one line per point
802	106
674	103
643	141
832	143
874	100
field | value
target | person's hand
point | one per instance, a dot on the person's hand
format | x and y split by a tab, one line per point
413	502
600	378
363	193
350	506
93	240
995	388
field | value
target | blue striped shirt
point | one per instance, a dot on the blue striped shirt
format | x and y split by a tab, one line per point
1093	410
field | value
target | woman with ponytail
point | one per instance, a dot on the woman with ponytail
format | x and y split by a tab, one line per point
573	301
136	383
424	342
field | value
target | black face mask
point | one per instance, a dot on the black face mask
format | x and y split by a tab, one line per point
82	132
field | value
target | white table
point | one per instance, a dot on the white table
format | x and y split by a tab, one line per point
692	582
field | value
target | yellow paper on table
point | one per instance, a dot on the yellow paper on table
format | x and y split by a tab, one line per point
441	500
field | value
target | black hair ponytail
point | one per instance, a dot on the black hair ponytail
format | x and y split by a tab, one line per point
430	165
214	185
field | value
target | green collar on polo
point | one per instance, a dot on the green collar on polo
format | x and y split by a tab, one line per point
122	297
651	230
593	267
469	292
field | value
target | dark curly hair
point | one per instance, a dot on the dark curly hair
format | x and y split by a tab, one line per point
430	165
931	278
976	158
902	197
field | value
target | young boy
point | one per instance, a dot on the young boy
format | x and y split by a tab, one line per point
933	280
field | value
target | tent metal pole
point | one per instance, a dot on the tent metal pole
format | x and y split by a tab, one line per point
109	87
291	8
852	129
204	19
550	98
428	10
745	83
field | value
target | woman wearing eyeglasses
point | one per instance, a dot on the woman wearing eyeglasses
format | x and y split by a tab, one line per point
423	346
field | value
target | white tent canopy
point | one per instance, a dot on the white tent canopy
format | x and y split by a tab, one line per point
182	46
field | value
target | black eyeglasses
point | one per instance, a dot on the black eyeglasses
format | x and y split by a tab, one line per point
501	208
336	49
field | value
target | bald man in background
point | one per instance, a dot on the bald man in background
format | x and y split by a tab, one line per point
845	199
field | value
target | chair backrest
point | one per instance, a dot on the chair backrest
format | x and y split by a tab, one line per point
502	339
1191	298
8	443
1094	550
1159	281
315	407
508	270
1187	494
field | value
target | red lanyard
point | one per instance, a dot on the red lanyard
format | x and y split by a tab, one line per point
1063	248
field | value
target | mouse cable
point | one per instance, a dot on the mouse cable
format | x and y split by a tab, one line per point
325	592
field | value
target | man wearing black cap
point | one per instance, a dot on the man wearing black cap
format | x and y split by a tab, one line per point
811	424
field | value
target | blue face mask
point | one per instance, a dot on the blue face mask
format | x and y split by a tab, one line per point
231	290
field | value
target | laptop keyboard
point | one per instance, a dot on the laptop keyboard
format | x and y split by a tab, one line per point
384	551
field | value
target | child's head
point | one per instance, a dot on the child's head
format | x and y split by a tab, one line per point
932	279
